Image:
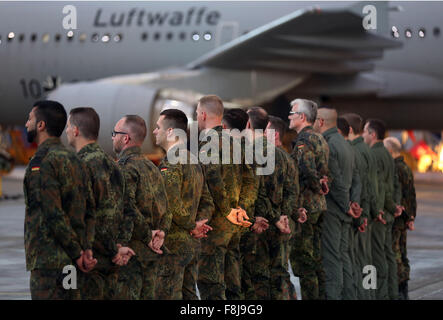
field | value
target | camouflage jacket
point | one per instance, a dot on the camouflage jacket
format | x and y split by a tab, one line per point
311	153
281	188
146	190
408	197
385	177
59	220
341	168
108	186
188	201
230	185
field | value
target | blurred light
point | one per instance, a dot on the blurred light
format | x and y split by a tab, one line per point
394	29
408	33
82	37
195	37
207	36
46	38
106	38
118	37
11	35
95	37
421	33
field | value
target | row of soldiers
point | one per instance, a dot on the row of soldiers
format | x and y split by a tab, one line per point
137	231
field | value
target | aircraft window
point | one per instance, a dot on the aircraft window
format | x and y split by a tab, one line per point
46	38
118	37
157	36
144	36
182	36
421	33
207	36
436	31
106	38
70	35
195	36
408	33
95	37
169	35
21	37
394	32
33	37
11	36
57	37
82	37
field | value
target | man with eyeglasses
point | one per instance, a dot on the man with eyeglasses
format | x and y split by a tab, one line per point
311	154
145	188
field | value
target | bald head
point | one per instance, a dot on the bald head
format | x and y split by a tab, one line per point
393	145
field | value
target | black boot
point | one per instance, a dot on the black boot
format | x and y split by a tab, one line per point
403	290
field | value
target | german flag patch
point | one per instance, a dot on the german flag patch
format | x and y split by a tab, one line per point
300	146
35	169
163	169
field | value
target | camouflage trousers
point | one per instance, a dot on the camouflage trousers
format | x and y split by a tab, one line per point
137	280
384	261
305	257
401	254
171	271
99	284
190	277
337	257
363	257
47	284
266	266
219	263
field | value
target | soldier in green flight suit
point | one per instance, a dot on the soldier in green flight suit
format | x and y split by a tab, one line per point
382	253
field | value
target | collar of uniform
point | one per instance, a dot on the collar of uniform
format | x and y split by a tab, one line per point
178	146
90	147
357	141
307	128
49	142
219	130
129	152
330	132
378	144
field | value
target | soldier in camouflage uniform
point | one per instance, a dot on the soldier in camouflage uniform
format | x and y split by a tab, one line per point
382	253
189	205
367	169
145	188
59	220
345	188
407	218
311	154
108	186
232	189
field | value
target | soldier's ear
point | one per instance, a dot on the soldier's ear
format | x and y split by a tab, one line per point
41	125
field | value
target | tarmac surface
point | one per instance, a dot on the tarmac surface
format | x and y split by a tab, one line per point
425	244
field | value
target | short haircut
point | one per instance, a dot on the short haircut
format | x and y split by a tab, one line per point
87	121
235	118
278	125
307	107
137	127
392	144
258	117
212	104
175	119
378	127
53	114
355	122
343	125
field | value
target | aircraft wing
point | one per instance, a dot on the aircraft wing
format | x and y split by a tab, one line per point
309	41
